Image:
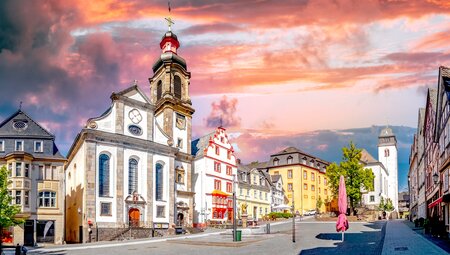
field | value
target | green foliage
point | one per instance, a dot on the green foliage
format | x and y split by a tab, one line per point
7	211
388	206
276	215
356	177
319	204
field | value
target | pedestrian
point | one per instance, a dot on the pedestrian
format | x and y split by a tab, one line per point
18	249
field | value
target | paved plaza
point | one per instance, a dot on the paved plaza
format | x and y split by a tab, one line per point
311	238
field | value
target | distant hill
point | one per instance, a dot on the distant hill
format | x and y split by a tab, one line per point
327	144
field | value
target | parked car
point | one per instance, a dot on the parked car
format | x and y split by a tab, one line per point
310	212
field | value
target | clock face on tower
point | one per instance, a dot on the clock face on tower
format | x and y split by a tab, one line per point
135	116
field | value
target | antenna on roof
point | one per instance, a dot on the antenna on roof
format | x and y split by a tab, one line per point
135	82
20	106
221	121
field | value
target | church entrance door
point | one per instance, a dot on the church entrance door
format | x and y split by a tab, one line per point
134	217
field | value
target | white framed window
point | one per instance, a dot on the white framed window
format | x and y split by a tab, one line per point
372	198
47	199
18	197
27	198
18	169
38	146
19	145
105	209
160	211
2	145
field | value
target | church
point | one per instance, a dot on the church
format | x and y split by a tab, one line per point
129	170
385	170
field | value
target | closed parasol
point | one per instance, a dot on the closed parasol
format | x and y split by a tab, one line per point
342	222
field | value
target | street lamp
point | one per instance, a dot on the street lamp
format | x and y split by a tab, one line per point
435	178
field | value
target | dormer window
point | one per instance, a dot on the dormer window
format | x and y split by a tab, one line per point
38	146
276	161
19	146
289	160
244	177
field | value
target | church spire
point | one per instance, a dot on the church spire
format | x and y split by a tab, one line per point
169	42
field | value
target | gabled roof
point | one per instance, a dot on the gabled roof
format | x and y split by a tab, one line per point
258	164
130	89
199	145
33	129
367	158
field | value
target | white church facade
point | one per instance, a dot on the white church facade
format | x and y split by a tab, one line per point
130	168
385	170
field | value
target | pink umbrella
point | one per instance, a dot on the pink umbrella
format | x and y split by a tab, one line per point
342	222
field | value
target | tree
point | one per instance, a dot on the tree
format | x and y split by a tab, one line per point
7	211
319	204
388	206
356	177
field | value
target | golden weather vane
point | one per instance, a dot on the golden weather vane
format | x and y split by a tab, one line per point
169	19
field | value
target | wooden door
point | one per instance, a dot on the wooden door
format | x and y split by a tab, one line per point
134	217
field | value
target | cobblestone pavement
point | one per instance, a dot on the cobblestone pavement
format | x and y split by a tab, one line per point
402	240
442	243
311	238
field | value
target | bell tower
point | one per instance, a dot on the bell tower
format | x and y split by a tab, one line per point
169	92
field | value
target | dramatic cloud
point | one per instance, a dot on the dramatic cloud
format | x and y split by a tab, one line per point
223	113
322	62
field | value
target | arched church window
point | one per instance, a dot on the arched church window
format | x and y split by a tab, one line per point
103	176
177	87
158	90
159	185
386	152
132	175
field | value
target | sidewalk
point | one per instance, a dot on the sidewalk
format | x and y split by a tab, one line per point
401	239
443	243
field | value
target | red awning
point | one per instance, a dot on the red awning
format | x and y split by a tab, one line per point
435	202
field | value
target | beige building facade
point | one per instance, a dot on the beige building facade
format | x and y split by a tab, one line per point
35	169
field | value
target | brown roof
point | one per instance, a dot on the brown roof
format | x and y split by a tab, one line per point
367	158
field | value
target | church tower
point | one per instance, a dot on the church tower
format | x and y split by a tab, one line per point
387	155
169	90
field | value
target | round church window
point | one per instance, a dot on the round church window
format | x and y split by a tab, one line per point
135	130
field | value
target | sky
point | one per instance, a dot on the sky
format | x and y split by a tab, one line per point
266	68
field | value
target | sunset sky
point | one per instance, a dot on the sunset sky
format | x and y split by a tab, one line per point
269	68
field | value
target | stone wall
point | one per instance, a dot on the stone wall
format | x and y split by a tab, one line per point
110	234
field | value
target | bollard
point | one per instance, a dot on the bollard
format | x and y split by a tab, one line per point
268	228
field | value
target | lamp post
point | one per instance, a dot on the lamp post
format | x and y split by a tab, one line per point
293	217
234	209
